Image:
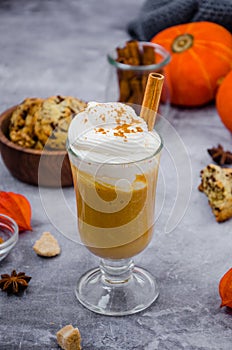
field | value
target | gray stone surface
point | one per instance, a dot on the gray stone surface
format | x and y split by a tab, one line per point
50	47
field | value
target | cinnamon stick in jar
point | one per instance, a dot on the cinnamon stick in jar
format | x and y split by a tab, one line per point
148	56
132	83
137	94
148	59
133	48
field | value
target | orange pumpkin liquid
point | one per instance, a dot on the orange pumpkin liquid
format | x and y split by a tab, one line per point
115	222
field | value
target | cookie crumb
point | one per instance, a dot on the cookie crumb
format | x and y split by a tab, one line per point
47	245
69	338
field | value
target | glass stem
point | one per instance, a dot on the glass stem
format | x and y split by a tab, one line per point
116	271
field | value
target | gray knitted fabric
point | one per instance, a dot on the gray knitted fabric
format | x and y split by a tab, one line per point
157	15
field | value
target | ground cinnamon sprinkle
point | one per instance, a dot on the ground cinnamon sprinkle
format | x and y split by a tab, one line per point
119	134
101	130
120	112
139	129
121	130
103	118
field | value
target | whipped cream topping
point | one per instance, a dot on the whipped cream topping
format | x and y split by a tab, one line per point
111	132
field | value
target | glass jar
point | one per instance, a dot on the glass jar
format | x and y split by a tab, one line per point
126	82
9	234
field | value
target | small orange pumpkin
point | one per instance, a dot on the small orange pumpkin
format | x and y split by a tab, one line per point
201	55
224	101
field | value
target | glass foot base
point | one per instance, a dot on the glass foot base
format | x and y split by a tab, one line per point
133	295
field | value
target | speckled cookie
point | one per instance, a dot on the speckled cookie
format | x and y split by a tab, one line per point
53	118
216	183
21	129
38	122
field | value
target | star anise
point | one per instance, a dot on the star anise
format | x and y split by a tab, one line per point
220	156
14	283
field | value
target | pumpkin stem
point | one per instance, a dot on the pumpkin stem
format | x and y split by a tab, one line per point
182	42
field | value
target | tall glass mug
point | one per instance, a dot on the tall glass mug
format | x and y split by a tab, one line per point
115	207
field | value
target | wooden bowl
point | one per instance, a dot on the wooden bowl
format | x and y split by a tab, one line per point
43	168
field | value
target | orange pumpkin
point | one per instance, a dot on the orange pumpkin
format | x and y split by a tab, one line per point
224	101
201	55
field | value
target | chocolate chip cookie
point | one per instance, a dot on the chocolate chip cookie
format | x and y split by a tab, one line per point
21	129
39	123
216	183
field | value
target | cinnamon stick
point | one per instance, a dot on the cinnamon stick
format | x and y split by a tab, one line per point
151	98
124	90
148	55
131	83
137	95
134	52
